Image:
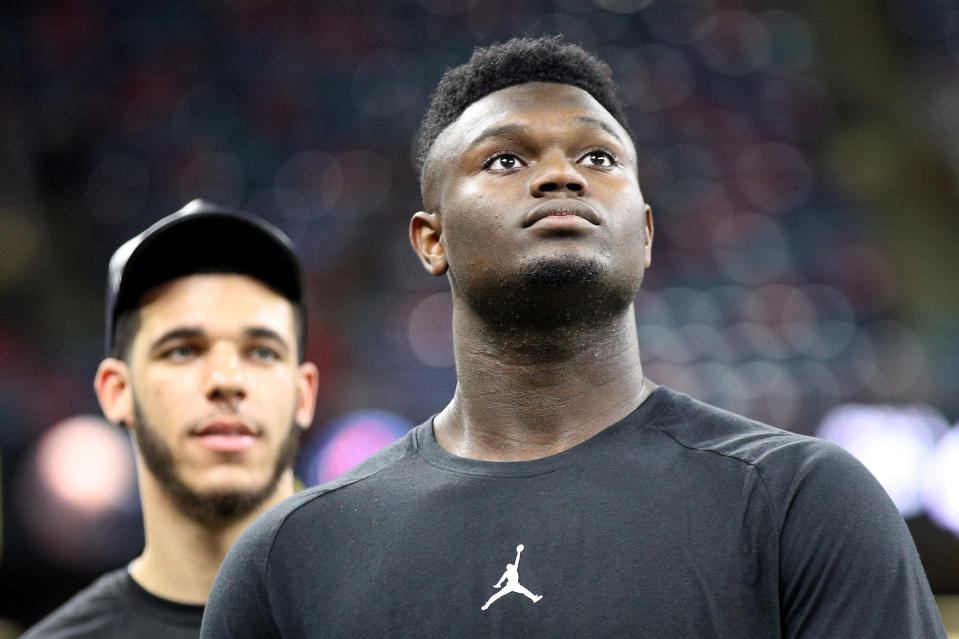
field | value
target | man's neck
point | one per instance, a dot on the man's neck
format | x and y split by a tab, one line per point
182	555
523	396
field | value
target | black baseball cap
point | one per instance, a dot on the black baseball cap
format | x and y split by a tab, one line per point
201	237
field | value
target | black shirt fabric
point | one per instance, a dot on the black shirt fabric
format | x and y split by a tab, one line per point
682	520
117	607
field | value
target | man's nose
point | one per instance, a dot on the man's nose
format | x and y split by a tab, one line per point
554	173
226	378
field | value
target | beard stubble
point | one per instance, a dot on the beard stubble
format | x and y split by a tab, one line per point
213	506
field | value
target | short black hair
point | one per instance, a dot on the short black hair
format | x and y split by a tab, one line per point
125	330
506	64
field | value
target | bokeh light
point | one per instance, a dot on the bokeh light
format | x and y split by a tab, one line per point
791	43
78	493
349	440
623	6
735	42
387	82
750	248
865	275
362	178
657	77
678	21
940	488
430	330
774	176
896	445
316	177
798	107
85	462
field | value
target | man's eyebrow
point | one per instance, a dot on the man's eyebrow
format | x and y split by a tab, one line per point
596	122
255	332
185	332
261	332
504	130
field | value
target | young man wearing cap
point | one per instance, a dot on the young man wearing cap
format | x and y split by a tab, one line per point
205	339
638	511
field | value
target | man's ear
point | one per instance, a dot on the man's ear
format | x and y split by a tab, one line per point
114	392
426	231
649	236
307	383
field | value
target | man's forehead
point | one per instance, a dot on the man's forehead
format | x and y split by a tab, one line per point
523	101
528	98
226	298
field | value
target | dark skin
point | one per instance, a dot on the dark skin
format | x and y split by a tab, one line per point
536	217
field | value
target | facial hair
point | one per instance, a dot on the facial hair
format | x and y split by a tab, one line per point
564	291
213	506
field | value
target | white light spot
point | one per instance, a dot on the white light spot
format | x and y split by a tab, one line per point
895	444
87	463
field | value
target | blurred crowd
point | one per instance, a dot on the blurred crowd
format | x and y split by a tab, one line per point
801	160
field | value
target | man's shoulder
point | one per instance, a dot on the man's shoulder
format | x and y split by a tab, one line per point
787	466
89	613
699	426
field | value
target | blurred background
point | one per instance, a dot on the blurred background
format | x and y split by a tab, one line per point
801	159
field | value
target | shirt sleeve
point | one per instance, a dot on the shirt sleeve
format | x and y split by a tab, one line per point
848	565
239	604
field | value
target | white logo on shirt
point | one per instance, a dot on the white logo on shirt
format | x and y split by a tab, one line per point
511	576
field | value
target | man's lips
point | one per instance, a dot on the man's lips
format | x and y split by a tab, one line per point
224	426
561	208
225	435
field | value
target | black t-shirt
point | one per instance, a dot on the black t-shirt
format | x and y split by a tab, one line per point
681	520
117	607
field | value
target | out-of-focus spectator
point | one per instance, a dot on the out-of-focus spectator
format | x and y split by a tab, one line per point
803	160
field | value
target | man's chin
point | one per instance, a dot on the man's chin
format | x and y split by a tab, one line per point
218	493
552	291
562	270
221	500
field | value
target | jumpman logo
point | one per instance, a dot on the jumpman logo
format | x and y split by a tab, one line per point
511	576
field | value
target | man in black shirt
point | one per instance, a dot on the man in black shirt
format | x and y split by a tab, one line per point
205	339
639	511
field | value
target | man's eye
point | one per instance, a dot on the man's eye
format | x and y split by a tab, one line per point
504	162
180	353
264	354
598	158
